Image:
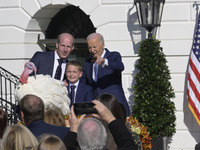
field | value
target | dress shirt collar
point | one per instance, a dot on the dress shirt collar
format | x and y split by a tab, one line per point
76	84
57	57
103	54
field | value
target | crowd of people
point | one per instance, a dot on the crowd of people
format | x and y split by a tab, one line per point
84	133
99	83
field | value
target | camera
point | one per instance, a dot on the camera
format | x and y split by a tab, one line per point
84	108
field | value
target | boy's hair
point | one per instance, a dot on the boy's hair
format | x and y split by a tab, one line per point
75	63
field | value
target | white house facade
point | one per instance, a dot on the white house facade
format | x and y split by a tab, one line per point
24	22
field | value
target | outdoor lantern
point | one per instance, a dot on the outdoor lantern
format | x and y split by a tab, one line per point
149	13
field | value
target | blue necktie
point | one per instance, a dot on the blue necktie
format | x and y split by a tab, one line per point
72	94
59	70
95	71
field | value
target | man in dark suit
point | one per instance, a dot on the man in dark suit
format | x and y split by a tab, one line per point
47	63
82	91
32	116
103	70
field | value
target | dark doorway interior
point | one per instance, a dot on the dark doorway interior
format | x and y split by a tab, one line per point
72	20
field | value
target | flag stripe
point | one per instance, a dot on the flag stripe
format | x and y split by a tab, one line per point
193	107
194	102
194	82
195	66
193	85
193	88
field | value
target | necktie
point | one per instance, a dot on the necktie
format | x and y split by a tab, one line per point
95	71
58	70
72	94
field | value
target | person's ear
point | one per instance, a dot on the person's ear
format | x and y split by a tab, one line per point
56	45
22	117
22	114
81	73
72	47
102	45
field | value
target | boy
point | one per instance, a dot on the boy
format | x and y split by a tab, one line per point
77	90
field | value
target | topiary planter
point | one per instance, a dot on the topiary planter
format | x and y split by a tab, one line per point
153	91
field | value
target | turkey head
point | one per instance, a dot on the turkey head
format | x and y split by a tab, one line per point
29	67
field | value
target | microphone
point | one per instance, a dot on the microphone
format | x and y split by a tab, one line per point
93	59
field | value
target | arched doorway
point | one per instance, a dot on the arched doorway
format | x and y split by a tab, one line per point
72	20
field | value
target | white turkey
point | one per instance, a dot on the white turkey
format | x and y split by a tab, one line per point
51	91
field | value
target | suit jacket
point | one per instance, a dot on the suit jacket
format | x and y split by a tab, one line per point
84	93
40	127
122	136
44	62
108	78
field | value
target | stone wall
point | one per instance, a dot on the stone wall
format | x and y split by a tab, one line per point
22	21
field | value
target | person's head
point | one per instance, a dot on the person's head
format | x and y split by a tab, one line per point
95	43
32	108
73	71
64	45
113	105
54	117
91	134
51	142
18	137
3	122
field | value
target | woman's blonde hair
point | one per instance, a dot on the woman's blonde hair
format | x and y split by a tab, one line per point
51	142
54	117
18	137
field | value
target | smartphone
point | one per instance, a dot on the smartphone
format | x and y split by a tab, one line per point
84	108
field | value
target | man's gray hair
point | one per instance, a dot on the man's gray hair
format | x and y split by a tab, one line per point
91	135
93	35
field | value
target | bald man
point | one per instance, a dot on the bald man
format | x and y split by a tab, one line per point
48	62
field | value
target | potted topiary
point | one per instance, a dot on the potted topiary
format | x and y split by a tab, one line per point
153	91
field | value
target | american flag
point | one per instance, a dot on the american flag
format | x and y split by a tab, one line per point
193	87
